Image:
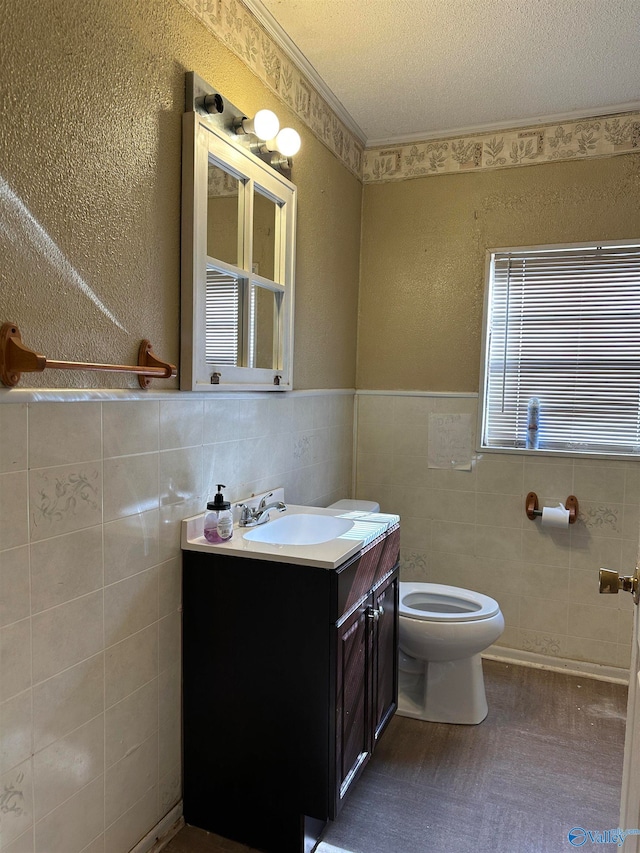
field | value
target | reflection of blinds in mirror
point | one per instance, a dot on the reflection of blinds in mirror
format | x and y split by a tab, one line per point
252	325
222	316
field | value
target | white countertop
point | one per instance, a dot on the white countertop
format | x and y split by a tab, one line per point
367	526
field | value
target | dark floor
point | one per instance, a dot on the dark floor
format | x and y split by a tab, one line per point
547	758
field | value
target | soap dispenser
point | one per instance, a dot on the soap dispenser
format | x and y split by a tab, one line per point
218	522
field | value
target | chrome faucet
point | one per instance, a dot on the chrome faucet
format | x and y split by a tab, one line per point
251	517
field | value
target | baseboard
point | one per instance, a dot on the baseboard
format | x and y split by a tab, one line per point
162	833
520	657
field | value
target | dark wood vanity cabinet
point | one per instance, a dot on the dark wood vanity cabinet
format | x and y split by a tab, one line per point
290	677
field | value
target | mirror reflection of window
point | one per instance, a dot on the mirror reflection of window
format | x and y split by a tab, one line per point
266	315
222	308
224	238
264	235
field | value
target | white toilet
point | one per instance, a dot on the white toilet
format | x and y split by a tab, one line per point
443	629
355	506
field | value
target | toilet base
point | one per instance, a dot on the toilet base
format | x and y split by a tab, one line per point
444	692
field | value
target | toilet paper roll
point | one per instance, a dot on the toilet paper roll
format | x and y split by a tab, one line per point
555	516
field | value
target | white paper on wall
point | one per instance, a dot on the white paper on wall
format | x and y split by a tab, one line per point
450	441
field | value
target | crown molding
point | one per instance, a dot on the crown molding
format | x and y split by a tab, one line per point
289	48
522	124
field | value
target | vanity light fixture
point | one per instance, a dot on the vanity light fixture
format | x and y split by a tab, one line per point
262	132
279	149
287	142
265	125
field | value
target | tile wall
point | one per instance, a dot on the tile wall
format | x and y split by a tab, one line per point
91	497
469	528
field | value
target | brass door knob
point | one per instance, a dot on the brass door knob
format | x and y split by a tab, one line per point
611	582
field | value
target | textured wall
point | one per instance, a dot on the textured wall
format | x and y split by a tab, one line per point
92	97
423	258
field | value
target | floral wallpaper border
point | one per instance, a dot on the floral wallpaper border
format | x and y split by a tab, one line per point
235	25
570	140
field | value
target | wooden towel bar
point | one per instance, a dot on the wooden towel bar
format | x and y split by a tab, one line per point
16	358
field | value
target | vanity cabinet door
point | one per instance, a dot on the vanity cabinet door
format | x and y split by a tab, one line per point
385	658
353	700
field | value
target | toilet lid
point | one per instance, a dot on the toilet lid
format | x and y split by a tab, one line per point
436	602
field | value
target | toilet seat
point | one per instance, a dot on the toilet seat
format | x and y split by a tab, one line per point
433	602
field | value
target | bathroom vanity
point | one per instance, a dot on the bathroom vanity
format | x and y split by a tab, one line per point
290	677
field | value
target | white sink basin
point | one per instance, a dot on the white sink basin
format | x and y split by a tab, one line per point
300	529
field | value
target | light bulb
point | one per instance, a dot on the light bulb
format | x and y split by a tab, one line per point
288	141
264	124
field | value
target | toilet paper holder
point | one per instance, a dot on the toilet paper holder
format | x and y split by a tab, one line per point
532	510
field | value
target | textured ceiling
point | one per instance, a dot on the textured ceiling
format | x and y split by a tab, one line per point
406	69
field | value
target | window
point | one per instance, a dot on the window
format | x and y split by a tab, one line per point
562	324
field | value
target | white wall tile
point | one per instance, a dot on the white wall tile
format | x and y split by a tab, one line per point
220	465
170	520
411	440
180	475
15	658
130	485
75	822
131	778
475	549
95	846
23	844
15	730
130	664
63	499
66	635
170	789
499	510
134	823
589	551
552	479
14	584
593	623
594	651
375	408
67	701
169	586
14	529
130	722
17	800
64	767
13	437
599	519
547	546
502	543
130	427
599	484
181	423
544	581
131	544
454	537
504	475
99	490
220	420
64	434
130	605
65	567
170	640
405	471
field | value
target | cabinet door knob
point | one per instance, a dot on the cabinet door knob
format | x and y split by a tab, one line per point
375	613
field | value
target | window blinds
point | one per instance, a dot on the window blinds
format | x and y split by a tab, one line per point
222	317
564	326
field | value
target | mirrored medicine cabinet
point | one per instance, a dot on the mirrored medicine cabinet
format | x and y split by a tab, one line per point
238	256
